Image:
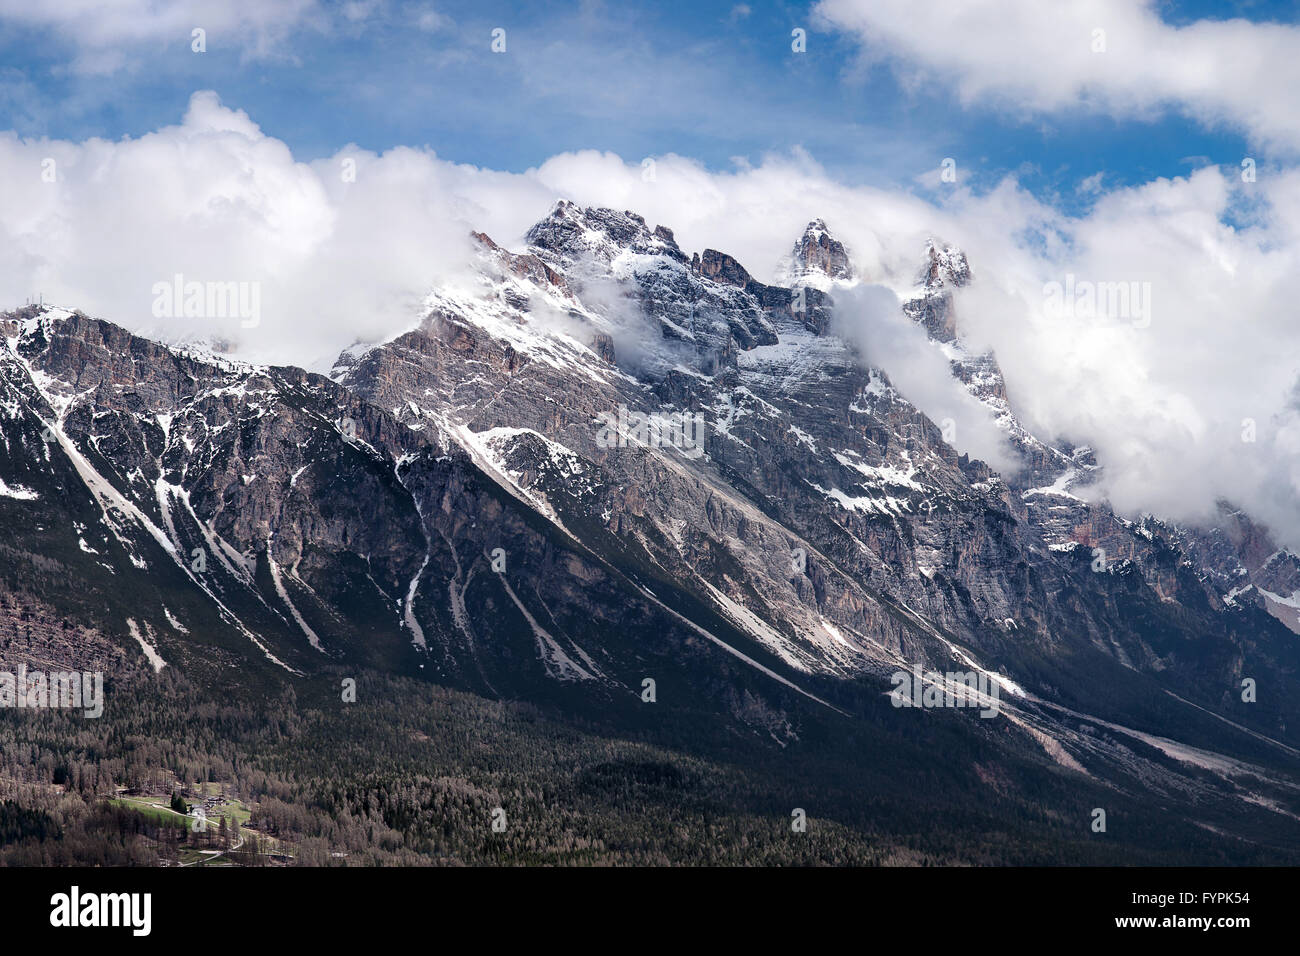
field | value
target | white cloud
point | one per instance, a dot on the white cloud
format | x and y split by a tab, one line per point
1165	404
1035	57
109	36
216	200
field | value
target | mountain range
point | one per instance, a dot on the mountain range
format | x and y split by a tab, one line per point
646	492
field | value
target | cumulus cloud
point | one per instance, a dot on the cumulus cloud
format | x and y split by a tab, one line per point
1190	398
1166	389
341	249
1116	57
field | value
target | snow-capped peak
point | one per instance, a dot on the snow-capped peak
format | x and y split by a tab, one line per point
945	266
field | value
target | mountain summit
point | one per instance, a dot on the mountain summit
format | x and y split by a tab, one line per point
818	253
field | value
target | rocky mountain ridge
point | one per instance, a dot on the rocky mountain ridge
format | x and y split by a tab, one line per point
604	461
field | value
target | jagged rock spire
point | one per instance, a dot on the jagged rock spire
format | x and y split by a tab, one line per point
818	252
945	267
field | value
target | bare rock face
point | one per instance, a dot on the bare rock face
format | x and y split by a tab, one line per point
945	270
720	267
817	252
607	459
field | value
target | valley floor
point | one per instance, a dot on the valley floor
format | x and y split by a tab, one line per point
417	774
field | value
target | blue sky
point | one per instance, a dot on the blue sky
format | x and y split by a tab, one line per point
711	81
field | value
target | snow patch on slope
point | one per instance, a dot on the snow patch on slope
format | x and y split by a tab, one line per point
150	651
284	596
17	492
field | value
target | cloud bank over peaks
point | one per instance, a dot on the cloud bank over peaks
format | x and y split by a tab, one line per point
1164	384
